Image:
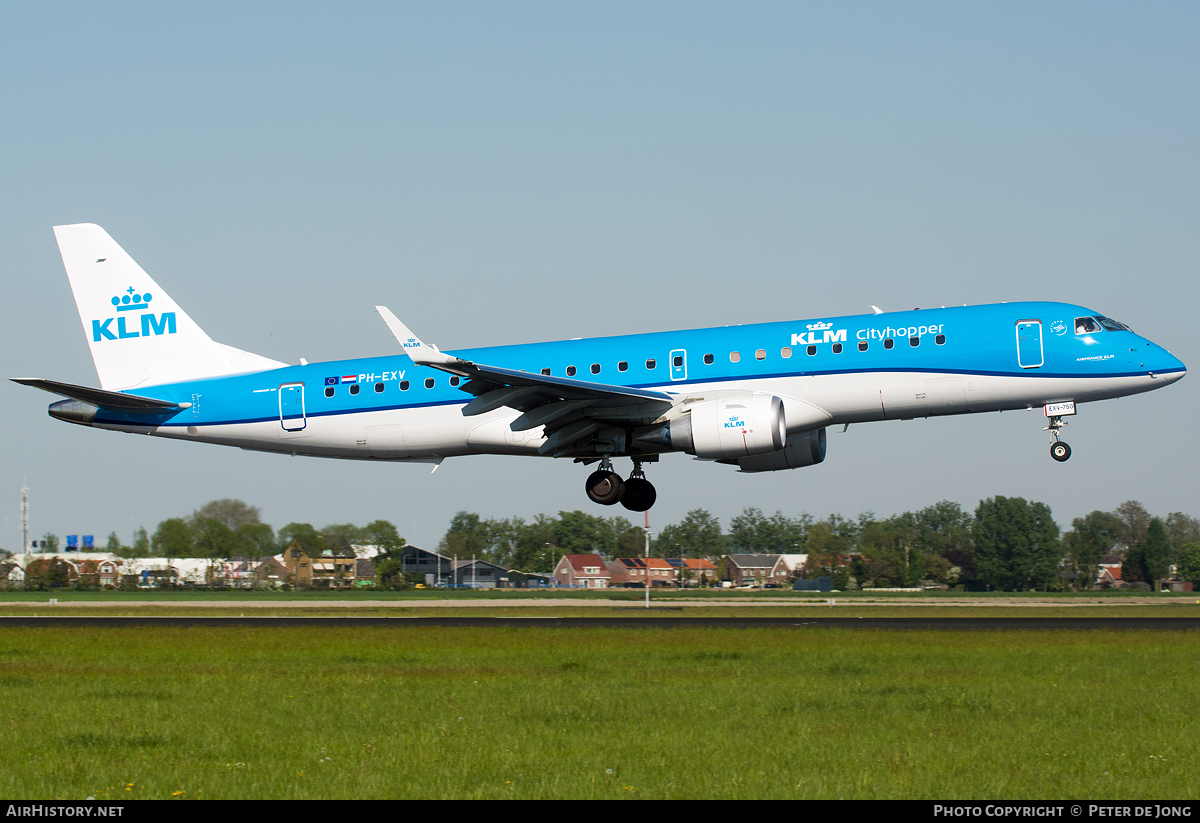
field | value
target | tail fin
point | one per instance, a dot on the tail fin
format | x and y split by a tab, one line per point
137	334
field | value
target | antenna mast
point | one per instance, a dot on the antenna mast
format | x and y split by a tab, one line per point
24	517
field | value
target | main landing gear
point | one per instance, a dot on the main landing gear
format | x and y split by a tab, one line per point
604	486
1059	450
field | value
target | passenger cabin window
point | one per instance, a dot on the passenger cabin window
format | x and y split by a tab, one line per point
650	364
761	354
546	372
403	385
888	343
570	371
862	345
785	352
914	341
708	359
837	348
378	388
595	368
455	380
354	389
623	365
677	361
429	382
735	356
329	391
811	350
940	340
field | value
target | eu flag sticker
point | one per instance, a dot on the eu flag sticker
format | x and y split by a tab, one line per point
331	381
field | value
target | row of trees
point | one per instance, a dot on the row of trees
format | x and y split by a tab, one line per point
537	545
232	528
1007	543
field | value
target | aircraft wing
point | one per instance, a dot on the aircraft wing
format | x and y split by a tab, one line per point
570	410
116	401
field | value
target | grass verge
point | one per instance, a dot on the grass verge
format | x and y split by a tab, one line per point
403	712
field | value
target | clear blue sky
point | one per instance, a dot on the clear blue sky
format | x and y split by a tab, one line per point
502	173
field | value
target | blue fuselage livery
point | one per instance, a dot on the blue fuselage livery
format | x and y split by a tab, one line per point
757	396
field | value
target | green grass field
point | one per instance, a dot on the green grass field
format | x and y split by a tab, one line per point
414	712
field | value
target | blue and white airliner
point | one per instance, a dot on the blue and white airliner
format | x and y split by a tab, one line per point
758	397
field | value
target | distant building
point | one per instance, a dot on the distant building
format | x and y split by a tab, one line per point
789	567
364	571
478	574
750	569
437	569
529	580
693	571
244	572
583	571
12	576
635	571
331	568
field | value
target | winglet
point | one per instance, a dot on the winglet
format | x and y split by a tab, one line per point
418	352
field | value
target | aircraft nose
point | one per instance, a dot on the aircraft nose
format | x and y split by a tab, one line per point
1166	365
1176	366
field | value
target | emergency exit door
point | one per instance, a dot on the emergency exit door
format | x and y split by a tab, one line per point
1029	344
291	407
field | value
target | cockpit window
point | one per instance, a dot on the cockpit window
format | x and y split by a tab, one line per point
1086	325
1110	324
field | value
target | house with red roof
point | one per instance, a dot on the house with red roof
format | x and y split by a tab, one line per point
636	571
582	571
693	571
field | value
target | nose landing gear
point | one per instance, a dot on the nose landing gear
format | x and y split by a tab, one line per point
604	486
1059	450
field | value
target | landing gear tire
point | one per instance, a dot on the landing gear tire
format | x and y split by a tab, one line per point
639	494
604	487
1060	452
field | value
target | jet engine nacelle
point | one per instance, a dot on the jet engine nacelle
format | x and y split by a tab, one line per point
801	450
730	427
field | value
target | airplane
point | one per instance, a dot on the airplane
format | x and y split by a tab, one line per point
759	397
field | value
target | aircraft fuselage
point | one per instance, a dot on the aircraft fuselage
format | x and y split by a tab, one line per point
828	371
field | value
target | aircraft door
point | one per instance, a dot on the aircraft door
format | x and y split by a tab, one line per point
291	407
1029	344
679	364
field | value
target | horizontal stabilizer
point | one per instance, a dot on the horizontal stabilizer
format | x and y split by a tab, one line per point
114	401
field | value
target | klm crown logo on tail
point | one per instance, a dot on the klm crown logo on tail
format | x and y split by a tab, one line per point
150	323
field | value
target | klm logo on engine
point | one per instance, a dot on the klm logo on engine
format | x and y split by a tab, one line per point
148	322
819	333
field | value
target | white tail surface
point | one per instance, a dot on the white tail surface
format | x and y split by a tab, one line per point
138	335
